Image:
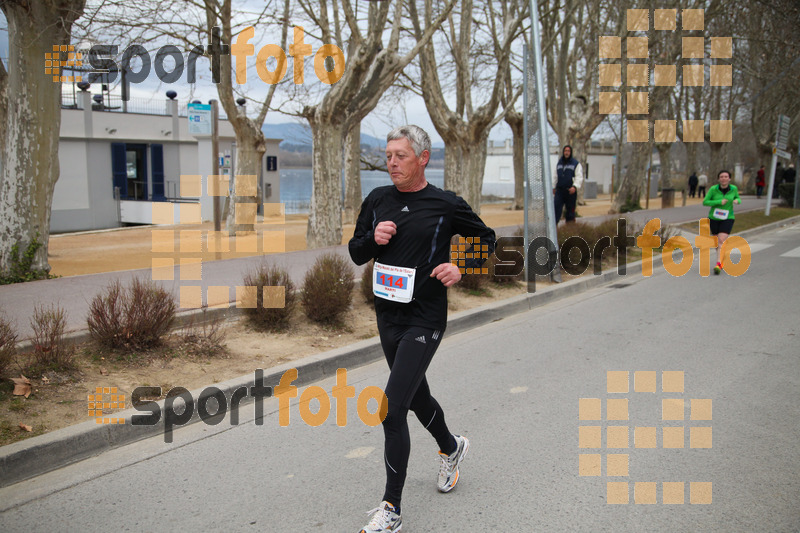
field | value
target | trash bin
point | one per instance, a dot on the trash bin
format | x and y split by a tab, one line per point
589	190
667	198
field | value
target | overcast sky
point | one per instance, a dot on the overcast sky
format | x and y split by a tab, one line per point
387	115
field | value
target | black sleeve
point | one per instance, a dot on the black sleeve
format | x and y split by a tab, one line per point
467	224
362	246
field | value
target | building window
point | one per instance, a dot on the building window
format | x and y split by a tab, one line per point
131	174
136	171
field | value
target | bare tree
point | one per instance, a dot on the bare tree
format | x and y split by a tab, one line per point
30	109
571	29
767	59
477	43
374	64
155	21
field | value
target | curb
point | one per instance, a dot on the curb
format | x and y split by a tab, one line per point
38	455
791	221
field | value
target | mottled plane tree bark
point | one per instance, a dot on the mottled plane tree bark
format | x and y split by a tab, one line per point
474	50
30	110
374	63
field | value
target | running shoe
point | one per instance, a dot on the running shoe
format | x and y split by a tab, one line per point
718	268
384	520
448	470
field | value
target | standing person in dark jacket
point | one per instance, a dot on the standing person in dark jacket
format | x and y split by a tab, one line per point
692	185
569	178
789	174
778	180
406	227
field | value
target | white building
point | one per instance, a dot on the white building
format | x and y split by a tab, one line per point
498	178
141	153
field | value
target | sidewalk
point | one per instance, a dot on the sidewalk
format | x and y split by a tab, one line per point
74	293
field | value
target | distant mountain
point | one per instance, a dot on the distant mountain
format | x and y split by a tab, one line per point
297	137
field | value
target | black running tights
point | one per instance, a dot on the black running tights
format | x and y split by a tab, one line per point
409	351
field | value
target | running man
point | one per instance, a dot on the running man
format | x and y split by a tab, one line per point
406	227
720	199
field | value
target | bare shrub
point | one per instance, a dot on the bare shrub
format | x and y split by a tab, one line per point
366	284
328	289
50	350
8	343
270	317
132	318
204	337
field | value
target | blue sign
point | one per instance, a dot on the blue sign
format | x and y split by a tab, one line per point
199	119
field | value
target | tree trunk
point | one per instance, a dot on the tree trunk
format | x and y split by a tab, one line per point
32	124
691	158
325	216
464	127
516	122
666	165
717	158
250	141
464	166
250	151
352	174
630	190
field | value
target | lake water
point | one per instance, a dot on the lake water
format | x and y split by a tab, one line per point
296	185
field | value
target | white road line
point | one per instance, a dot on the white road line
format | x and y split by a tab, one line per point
792	253
759	246
754	247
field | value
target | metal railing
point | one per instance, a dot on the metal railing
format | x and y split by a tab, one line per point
115	104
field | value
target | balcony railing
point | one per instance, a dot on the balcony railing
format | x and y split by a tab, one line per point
115	104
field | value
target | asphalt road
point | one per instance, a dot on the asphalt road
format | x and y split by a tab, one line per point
513	387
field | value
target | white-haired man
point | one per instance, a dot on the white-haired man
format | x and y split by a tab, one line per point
406	227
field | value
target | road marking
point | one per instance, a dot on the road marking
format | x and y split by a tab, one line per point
790	228
736	254
517	390
758	246
359	453
792	253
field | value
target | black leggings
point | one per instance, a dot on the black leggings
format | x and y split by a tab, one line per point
409	351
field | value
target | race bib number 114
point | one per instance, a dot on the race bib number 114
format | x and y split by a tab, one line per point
393	283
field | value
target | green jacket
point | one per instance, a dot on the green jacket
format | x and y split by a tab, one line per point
714	198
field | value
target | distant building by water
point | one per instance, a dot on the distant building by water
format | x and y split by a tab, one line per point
498	178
